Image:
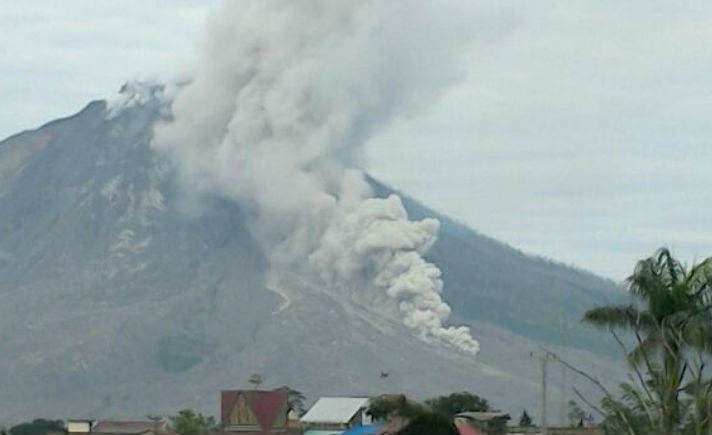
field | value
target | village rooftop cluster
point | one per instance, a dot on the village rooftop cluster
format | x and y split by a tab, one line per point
271	412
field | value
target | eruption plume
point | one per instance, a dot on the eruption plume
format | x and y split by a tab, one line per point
276	117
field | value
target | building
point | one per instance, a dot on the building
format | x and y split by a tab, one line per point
336	414
254	411
79	426
129	427
476	423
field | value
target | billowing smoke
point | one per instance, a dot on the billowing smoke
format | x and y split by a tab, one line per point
288	93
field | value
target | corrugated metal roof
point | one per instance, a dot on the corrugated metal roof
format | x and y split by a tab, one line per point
334	409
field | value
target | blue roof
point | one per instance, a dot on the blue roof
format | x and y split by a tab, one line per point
322	432
368	429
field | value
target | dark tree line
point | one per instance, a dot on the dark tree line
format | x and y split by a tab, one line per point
39	426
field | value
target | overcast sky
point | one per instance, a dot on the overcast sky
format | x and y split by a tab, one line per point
580	130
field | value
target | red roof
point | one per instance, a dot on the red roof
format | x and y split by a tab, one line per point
266	405
466	429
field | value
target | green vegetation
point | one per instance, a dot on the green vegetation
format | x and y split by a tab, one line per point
189	422
671	324
394	406
436	418
525	420
38	426
577	416
295	400
456	403
255	380
418	419
429	424
180	353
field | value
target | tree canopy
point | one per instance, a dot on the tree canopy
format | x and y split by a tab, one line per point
429	423
672	327
437	418
390	406
39	426
295	400
189	422
456	403
525	420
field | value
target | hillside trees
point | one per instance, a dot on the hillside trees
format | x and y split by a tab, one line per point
671	324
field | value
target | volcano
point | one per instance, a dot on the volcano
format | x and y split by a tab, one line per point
118	298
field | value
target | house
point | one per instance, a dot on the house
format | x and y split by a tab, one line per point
129	427
336	414
250	411
477	423
79	426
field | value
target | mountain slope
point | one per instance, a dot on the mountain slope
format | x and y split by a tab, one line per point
119	298
490	281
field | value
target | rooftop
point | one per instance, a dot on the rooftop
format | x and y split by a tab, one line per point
127	427
483	416
266	405
335	409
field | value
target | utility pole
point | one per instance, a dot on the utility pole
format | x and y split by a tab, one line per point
544	359
564	371
544	427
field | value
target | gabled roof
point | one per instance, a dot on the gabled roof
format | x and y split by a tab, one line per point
127	427
265	405
334	409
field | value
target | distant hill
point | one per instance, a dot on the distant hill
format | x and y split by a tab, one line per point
118	300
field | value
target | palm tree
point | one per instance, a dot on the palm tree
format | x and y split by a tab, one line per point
672	317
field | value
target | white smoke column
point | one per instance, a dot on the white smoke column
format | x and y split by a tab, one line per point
375	234
288	93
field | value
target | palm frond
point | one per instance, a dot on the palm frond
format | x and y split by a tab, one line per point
646	348
619	316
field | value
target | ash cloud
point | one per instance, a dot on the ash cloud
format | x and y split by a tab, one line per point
276	117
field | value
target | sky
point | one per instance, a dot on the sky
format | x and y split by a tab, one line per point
579	130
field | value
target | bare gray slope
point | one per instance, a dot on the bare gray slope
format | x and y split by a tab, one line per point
116	302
